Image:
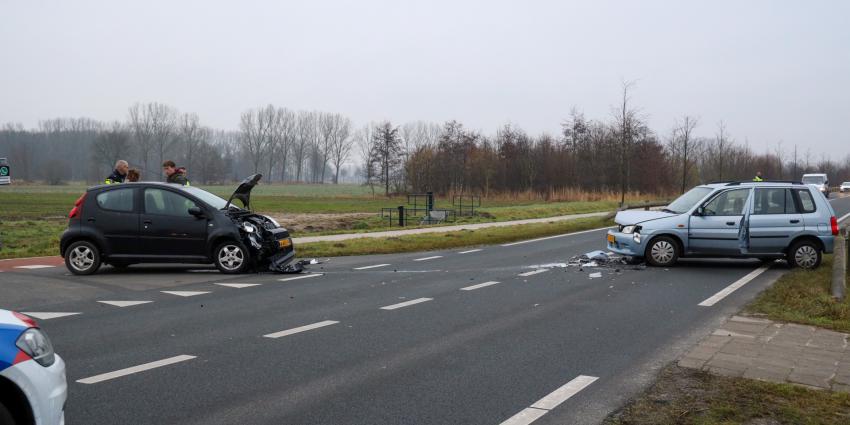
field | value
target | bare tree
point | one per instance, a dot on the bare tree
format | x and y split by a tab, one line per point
780	157
341	145
111	144
305	135
365	146
190	135
255	126
721	139
627	122
683	139
153	126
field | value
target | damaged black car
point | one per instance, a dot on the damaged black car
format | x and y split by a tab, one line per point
148	222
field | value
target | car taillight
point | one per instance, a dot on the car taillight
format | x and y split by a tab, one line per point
834	223
78	206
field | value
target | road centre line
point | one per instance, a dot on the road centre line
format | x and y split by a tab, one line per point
300	329
551	401
47	315
428	258
124	303
135	369
479	286
714	299
406	303
556	236
533	272
371	267
305	276
35	267
237	285
185	293
470	251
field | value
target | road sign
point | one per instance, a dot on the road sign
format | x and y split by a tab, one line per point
4	171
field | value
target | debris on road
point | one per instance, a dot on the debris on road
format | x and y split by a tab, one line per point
595	275
598	260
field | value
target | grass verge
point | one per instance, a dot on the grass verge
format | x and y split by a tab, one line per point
447	240
804	296
689	396
30	238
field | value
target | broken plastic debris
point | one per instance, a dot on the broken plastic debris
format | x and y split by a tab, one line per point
597	255
592	264
548	266
595	275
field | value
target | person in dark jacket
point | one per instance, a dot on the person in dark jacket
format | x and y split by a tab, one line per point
174	174
133	175
119	173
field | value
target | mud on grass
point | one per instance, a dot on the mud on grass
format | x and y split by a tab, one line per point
689	396
448	240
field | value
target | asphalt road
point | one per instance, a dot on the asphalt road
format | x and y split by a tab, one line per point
449	346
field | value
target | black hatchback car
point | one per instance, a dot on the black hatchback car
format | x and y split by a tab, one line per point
147	222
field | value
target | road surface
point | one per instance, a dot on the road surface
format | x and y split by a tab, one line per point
472	336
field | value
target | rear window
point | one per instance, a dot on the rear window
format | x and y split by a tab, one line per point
116	200
814	179
807	203
774	201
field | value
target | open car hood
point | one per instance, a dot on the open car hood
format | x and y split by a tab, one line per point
243	192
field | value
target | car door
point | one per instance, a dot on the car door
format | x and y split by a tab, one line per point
117	219
774	220
715	230
167	228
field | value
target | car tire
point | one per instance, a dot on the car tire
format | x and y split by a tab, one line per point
662	251
231	257
6	417
805	255
82	258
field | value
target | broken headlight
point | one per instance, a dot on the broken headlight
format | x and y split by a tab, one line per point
248	227
628	229
276	224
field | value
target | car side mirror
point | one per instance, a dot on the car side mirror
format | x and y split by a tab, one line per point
700	211
196	211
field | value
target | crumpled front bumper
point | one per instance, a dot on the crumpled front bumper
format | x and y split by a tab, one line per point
624	244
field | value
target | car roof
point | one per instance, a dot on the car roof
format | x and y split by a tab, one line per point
716	185
143	184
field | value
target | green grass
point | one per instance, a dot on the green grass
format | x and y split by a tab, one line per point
804	296
692	397
447	240
31	238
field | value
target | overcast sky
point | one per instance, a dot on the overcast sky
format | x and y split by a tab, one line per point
773	70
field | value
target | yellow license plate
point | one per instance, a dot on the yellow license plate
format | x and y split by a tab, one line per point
284	243
610	238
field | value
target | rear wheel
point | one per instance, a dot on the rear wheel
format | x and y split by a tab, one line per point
82	258
662	251
231	257
805	255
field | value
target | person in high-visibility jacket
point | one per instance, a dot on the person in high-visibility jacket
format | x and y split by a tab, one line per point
119	173
758	177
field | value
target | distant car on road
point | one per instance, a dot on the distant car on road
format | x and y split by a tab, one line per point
765	220
33	388
819	181
150	222
845	187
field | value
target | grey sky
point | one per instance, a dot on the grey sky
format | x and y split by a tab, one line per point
772	70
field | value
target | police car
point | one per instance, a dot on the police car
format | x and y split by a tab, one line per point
33	388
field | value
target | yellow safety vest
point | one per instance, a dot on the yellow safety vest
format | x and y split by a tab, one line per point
758	179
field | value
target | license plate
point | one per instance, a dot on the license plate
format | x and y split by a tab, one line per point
610	238
283	243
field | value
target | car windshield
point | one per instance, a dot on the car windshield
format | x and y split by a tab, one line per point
210	199
688	200
814	179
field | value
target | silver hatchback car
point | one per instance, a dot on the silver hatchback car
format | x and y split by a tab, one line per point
765	220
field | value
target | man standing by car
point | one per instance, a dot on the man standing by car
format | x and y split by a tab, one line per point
119	173
758	177
174	174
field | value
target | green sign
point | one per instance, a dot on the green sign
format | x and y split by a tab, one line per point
4	171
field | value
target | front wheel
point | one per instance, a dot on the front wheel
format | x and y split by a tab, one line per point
231	258
82	258
805	255
662	252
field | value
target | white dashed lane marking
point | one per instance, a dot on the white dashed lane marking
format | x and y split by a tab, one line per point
135	369
428	258
238	285
533	272
470	251
371	267
714	299
185	293
35	267
479	286
124	303
406	303
551	401
45	315
301	329
303	276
